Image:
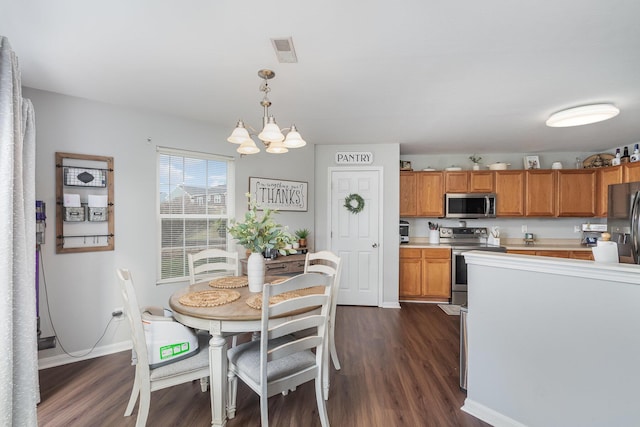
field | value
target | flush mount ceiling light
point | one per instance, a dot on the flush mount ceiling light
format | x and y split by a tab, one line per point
271	135
583	115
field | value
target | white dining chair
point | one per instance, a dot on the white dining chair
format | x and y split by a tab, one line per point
149	379
279	361
326	262
217	262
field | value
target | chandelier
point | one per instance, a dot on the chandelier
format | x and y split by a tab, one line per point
271	135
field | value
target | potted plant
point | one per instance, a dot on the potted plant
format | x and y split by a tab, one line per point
258	233
302	235
476	161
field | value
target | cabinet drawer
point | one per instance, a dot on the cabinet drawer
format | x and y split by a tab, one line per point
276	268
436	253
410	253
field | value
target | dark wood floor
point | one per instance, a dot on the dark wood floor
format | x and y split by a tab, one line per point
399	368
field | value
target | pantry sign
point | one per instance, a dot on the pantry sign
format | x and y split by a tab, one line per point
354	157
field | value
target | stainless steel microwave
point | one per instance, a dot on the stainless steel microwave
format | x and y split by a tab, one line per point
470	205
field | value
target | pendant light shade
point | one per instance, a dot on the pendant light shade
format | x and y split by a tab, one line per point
293	139
277	147
583	115
248	147
240	134
271	134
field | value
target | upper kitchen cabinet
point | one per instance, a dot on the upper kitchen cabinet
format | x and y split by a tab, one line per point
468	182
539	192
430	201
456	182
509	187
606	177
576	195
481	182
408	199
631	172
421	194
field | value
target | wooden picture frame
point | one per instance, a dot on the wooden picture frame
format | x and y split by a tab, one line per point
280	194
531	162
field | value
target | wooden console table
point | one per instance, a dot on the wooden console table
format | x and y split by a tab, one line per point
281	266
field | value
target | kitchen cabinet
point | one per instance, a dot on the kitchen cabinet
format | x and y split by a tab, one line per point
631	172
509	187
575	191
429	194
468	182
456	182
481	182
540	200
421	194
586	255
425	274
408	196
606	177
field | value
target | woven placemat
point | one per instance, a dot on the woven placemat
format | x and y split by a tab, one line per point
255	301
210	298
229	282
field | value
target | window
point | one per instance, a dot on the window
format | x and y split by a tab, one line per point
195	202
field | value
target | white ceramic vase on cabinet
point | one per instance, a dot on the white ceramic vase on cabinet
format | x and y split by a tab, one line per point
255	272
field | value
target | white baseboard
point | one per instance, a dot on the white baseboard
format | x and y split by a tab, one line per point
64	359
390	305
488	415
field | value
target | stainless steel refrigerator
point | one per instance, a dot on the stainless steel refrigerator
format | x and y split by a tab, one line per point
623	220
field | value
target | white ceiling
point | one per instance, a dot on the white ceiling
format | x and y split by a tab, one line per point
436	76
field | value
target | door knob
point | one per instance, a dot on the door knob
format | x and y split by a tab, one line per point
375	245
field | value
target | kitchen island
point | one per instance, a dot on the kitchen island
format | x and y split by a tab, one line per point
552	341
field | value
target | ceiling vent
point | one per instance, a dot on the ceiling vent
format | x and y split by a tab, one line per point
284	50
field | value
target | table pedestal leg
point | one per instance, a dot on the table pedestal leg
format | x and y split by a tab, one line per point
218	380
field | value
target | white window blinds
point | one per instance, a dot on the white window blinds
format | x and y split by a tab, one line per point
195	201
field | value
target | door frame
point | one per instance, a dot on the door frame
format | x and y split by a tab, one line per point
380	171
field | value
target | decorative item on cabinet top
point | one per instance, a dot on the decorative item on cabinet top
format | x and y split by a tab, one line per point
598	160
405	165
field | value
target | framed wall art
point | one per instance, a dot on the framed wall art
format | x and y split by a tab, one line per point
531	162
279	194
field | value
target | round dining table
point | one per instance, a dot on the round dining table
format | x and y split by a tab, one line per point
221	321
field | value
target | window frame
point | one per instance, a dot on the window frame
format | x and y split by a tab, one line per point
230	203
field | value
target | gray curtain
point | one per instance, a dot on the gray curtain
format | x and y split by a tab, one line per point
18	336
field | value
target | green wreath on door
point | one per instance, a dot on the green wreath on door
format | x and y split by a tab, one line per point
354	203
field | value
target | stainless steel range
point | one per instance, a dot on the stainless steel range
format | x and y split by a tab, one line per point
463	239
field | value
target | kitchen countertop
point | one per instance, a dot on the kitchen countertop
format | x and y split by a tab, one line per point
510	244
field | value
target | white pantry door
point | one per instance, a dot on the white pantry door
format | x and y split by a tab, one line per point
354	237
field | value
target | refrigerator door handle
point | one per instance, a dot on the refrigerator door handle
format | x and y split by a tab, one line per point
634	225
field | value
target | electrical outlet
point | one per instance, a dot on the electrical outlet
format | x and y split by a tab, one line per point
576	228
524	228
118	313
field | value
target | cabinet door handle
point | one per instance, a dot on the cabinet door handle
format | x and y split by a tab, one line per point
276	267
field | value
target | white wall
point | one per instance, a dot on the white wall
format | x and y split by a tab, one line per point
552	342
81	288
386	156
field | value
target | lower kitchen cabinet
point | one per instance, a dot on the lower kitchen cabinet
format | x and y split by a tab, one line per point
587	255
425	274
